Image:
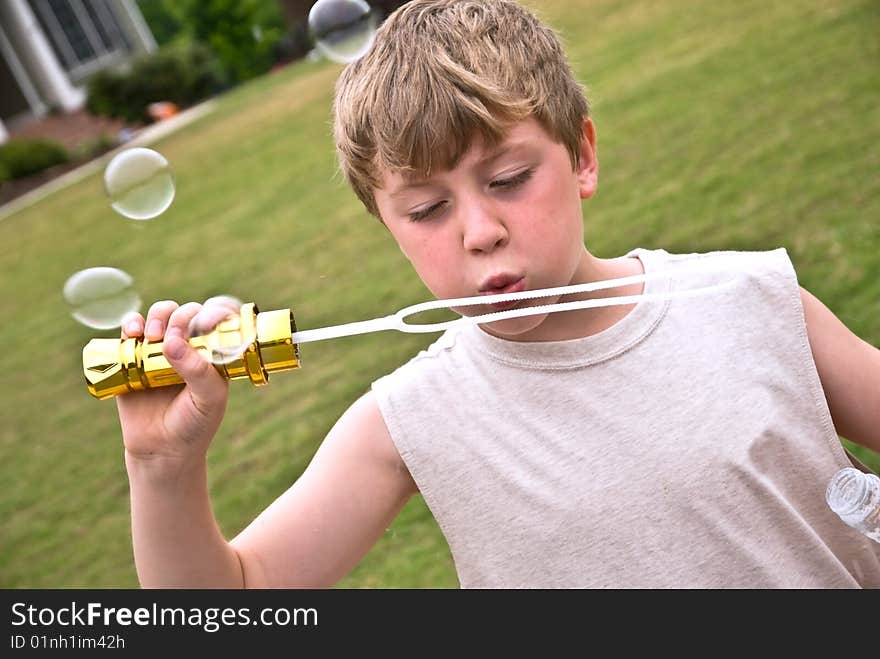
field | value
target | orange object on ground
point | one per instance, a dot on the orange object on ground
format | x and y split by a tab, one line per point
162	110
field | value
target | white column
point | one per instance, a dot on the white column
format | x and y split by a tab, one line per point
4	136
37	56
21	76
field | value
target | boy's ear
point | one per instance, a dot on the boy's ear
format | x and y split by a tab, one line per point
588	163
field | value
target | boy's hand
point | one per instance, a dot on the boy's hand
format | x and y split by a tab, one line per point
176	423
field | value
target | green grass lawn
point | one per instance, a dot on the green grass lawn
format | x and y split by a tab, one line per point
748	125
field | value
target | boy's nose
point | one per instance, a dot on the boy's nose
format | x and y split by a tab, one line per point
483	230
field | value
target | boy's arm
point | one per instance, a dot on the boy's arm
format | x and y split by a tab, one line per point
849	369
318	530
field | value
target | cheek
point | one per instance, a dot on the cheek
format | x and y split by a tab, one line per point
553	232
552	225
435	262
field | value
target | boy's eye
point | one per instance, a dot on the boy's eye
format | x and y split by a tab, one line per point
513	181
425	213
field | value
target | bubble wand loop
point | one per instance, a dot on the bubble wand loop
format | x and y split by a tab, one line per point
117	366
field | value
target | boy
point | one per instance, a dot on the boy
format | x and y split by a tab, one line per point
668	443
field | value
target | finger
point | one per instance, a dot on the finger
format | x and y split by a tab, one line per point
132	324
157	319
224	300
180	318
206	384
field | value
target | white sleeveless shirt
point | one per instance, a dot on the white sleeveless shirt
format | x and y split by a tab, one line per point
687	446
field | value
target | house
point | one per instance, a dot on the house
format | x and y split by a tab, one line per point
49	48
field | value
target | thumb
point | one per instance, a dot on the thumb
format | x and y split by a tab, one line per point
207	385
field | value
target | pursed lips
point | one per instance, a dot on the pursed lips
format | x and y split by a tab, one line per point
501	284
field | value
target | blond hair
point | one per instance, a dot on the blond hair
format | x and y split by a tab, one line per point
442	72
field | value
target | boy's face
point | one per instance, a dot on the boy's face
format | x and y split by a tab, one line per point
507	217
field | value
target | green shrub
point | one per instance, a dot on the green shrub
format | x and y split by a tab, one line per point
242	33
93	147
183	74
23	157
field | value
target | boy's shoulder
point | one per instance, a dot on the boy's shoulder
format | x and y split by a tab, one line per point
756	266
731	258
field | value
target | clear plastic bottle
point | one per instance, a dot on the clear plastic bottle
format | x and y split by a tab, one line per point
855	497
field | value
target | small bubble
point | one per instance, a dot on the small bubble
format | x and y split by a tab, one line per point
101	297
343	30
222	335
139	183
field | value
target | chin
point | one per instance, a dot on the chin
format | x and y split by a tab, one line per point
512	328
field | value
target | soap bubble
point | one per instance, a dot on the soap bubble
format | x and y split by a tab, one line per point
343	30
220	332
101	297
139	183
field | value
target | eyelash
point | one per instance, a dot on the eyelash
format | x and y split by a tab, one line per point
506	184
418	216
514	181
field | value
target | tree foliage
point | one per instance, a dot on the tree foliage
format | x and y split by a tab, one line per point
242	33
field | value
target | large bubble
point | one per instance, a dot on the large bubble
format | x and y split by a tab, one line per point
101	297
343	30
219	332
139	183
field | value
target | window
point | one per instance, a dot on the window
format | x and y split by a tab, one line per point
85	34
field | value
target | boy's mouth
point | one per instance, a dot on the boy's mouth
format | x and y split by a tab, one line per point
500	284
